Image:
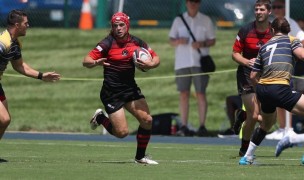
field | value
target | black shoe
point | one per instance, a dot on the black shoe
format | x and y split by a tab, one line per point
240	117
184	131
3	160
202	131
227	133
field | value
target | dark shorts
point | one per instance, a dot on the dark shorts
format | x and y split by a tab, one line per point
184	83
2	94
276	95
113	101
244	83
298	84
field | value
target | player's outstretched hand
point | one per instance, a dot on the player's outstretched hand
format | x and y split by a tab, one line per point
50	77
102	62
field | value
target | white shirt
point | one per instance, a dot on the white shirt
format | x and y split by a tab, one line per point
295	30
202	29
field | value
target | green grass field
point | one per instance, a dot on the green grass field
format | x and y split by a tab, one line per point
31	159
67	105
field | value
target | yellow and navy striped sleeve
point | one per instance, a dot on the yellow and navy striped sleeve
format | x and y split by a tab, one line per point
276	61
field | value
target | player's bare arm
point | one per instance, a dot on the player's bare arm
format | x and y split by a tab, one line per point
149	64
178	41
23	68
254	76
299	52
89	62
237	57
203	44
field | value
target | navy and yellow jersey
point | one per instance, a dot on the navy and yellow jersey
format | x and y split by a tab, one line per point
275	60
9	50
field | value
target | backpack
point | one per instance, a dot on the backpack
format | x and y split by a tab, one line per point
162	123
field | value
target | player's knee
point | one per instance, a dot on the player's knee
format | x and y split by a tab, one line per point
147	120
122	133
184	94
5	121
255	117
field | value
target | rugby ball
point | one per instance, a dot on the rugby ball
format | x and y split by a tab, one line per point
142	54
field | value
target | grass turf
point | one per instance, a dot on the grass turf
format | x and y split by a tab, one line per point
35	159
67	105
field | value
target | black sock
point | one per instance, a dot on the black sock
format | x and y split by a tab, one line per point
143	138
258	136
102	119
244	145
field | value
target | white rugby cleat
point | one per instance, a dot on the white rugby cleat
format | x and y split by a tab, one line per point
145	160
93	122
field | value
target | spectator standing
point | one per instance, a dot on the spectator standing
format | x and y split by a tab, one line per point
233	103
187	61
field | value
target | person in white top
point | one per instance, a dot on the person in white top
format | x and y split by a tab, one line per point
187	61
278	9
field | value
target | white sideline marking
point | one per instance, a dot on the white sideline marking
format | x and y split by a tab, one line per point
97	144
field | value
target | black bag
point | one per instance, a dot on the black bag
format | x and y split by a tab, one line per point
207	64
162	123
298	124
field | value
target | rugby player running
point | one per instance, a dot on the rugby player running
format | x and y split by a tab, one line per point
119	90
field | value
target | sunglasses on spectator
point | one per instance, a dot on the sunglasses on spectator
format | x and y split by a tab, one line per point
278	7
195	1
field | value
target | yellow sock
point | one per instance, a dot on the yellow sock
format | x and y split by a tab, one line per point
241	134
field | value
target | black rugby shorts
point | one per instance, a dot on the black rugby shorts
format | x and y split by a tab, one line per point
276	95
113	101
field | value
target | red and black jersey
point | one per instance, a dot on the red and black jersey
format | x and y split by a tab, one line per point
249	40
120	74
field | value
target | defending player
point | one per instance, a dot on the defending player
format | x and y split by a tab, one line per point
271	73
10	51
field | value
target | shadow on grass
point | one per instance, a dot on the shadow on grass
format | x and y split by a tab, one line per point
210	133
260	156
3	160
271	165
112	162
